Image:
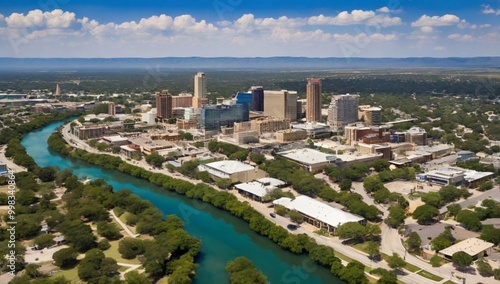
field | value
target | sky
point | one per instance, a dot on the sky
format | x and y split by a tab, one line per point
249	28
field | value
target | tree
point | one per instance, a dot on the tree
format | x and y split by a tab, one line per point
490	234
155	159
133	277
242	271
414	242
372	248
44	241
469	220
373	183
129	247
440	242
381	165
47	174
354	273
395	261
425	214
351	230
322	254
223	183
345	185
108	230
461	260
484	268
96	265
295	216
396	216
432	199
382	196
454	209
485	186
386	277
435	261
65	257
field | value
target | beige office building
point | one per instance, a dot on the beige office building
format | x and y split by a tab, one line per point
200	90
182	100
281	104
313	97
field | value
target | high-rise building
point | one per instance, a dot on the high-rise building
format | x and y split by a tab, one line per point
111	109
257	98
313	97
58	90
164	104
343	110
213	117
281	104
244	98
200	90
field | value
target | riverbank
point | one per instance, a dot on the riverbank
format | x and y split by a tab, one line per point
296	243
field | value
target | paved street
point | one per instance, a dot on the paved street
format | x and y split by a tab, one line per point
10	164
391	241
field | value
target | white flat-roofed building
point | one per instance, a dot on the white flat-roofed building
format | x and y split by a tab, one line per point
318	213
127	151
311	160
236	171
455	176
259	188
474	247
116	140
315	161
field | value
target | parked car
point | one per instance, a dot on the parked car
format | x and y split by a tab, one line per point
272	215
292	227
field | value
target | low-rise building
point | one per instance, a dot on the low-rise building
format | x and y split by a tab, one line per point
318	213
128	151
116	140
416	135
290	135
236	171
258	189
149	146
465	156
314	129
246	137
455	176
474	247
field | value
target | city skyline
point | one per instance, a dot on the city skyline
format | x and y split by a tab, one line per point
231	28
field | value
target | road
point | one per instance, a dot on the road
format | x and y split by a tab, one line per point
391	241
10	164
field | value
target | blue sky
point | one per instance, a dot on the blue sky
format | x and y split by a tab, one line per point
249	28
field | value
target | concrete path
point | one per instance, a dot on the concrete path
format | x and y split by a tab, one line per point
123	225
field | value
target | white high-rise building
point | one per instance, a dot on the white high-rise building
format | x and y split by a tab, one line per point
200	90
343	110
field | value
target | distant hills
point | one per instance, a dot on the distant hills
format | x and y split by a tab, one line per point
250	63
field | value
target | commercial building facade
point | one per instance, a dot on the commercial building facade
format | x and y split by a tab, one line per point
164	104
343	110
281	104
213	117
313	97
182	100
257	98
200	90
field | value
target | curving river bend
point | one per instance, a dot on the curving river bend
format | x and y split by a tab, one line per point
224	237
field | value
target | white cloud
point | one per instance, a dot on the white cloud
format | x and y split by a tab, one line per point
436	21
484	26
459	37
384	10
57	19
362	37
427	29
356	17
488	10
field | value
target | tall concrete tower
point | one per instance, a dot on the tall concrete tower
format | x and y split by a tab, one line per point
58	90
313	100
164	104
200	90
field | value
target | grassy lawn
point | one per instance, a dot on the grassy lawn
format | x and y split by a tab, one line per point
113	253
70	274
361	247
430	276
442	261
449	282
408	266
123	268
343	257
323	233
123	218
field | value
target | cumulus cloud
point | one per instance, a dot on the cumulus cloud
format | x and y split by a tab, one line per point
362	37
57	19
356	17
427	29
436	21
486	9
484	26
459	37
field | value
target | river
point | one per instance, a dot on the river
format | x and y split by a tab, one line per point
224	237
